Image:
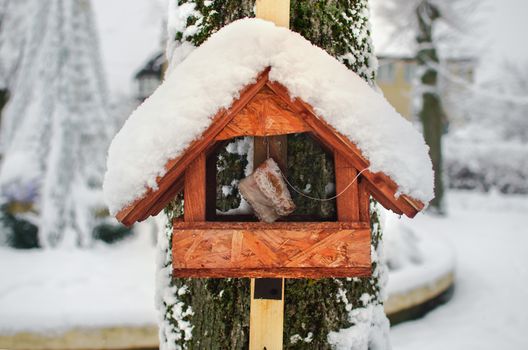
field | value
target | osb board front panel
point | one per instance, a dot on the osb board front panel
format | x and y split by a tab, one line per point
285	249
265	115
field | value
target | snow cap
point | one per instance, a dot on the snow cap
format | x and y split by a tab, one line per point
211	78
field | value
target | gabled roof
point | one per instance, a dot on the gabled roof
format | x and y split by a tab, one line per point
206	92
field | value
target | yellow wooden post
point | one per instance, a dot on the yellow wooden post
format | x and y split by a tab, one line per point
266	321
276	11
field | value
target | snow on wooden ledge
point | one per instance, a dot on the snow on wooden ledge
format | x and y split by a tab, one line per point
211	78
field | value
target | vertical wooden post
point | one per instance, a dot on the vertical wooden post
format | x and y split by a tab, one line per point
267	315
210	191
364	201
348	202
194	191
276	11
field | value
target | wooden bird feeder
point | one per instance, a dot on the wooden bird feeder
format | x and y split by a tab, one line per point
205	245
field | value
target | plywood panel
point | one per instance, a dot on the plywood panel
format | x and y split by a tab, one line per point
265	115
271	250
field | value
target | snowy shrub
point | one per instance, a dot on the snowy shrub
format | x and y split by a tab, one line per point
401	246
484	166
111	233
16	231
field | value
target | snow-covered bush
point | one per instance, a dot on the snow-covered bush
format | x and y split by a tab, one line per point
490	149
484	166
56	125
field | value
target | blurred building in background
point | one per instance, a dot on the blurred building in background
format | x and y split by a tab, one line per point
396	78
149	77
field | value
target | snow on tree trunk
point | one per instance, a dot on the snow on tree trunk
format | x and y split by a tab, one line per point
319	314
431	113
56	124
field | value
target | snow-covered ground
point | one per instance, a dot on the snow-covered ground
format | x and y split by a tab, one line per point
416	259
51	291
489	309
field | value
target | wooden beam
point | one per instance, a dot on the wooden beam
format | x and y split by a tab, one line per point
276	11
194	192
278	150
364	200
348	201
276	272
265	319
178	224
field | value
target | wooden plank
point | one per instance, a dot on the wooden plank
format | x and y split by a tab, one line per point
276	250
266	319
167	196
276	272
149	203
177	186
382	199
348	202
278	150
194	190
276	11
364	200
290	218
263	226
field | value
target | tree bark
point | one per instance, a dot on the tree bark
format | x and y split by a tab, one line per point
432	113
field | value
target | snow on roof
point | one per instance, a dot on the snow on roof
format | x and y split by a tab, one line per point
212	76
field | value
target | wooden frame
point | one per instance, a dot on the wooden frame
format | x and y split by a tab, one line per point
273	97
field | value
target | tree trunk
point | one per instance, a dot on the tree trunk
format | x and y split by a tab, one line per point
315	310
4	97
432	113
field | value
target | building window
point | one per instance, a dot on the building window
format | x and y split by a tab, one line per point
409	72
146	85
386	72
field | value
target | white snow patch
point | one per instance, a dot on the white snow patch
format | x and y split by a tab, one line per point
488	309
211	77
416	258
53	291
370	331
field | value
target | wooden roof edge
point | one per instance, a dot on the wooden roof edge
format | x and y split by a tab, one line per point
416	204
402	204
152	202
146	205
